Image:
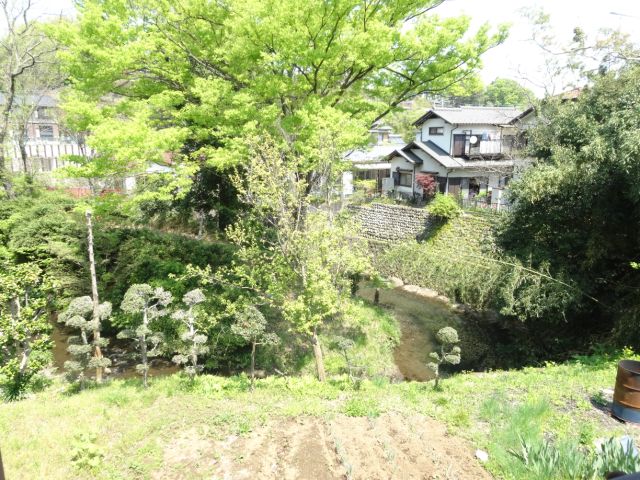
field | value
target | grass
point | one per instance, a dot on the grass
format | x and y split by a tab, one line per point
121	431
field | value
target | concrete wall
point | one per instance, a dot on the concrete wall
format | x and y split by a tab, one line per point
391	222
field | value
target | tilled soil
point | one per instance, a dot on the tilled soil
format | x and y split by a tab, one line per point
391	446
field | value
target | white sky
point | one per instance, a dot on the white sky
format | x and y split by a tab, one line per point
517	57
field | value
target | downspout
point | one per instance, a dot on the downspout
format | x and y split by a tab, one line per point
451	140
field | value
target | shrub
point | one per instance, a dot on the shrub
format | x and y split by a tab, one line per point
449	352
428	184
444	206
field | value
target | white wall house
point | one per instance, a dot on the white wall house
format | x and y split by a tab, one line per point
468	150
371	163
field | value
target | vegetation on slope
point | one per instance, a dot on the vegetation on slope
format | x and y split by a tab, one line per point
494	410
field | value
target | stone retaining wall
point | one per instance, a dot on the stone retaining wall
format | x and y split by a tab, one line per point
385	222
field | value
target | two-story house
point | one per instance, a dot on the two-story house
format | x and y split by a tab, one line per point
468	150
370	163
38	143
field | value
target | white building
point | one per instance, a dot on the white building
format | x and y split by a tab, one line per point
371	163
468	150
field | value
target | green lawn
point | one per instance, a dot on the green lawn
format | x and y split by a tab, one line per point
118	430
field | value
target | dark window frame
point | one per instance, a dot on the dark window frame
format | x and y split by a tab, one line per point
49	128
436	130
405	173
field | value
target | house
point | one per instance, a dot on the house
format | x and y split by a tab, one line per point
470	151
371	163
37	142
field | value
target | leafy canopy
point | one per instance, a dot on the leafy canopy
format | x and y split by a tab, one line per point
199	77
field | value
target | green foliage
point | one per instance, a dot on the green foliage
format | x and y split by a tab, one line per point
506	92
42	228
462	261
444	207
85	454
193	341
79	316
576	209
147	304
219	72
24	326
545	459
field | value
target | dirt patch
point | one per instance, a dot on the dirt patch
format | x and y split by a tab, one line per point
388	447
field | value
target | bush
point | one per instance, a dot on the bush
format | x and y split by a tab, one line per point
444	206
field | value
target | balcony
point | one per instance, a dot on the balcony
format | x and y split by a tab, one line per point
474	147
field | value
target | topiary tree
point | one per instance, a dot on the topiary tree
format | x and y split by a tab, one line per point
251	326
80	315
193	342
148	304
449	352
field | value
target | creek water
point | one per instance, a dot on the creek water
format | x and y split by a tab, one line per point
419	317
123	363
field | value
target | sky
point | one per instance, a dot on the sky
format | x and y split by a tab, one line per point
518	58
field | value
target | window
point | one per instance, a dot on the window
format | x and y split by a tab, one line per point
436	130
406	178
44	112
46	131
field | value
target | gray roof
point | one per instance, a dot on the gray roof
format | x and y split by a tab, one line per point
42	101
473	115
431	149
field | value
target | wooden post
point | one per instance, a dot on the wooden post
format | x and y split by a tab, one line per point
94	297
1	468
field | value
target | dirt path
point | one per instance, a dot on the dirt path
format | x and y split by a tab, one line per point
389	447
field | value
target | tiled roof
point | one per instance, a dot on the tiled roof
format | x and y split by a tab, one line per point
43	101
473	115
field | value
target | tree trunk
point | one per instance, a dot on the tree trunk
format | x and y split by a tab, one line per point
94	297
143	348
23	153
26	353
4	129
317	353
1	468
253	363
376	296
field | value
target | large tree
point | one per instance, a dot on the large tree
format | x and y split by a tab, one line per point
505	92
577	208
26	65
198	77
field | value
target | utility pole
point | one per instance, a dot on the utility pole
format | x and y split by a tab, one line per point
95	299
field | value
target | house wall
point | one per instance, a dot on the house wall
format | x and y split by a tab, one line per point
400	162
443	141
446	141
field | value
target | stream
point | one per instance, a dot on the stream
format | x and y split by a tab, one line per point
418	315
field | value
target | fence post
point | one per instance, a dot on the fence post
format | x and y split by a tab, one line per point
1	468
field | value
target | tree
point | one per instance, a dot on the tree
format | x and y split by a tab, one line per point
24	49
194	342
505	92
199	79
428	184
80	315
251	326
298	261
576	209
24	327
149	303
449	352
